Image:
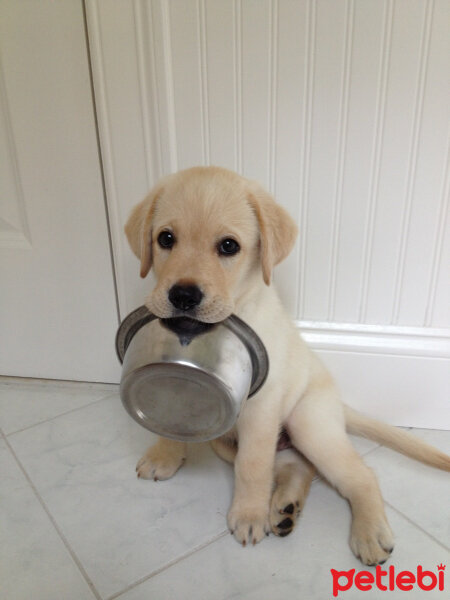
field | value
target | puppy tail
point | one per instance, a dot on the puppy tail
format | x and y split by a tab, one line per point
396	439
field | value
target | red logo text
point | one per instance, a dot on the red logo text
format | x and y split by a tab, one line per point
388	580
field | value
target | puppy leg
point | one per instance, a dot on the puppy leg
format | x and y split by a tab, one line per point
292	480
162	460
293	477
317	428
248	518
226	446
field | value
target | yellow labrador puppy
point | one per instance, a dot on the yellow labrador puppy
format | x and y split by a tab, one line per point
212	238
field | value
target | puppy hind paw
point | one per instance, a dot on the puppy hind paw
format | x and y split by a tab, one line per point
284	513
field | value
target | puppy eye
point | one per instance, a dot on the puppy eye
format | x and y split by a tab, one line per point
166	240
228	247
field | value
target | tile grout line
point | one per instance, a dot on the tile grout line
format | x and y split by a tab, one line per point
52	520
72	410
169	564
40	382
399	512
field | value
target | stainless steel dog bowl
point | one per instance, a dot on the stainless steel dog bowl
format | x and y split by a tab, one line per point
188	391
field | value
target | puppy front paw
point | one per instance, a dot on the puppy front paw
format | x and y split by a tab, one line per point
249	525
371	541
158	463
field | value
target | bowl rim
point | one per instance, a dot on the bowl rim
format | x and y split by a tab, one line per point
139	317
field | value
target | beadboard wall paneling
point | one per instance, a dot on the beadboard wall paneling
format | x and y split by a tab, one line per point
340	108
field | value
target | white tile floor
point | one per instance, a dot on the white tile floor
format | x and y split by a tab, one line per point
77	524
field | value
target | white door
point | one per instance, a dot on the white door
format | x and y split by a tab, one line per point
341	110
57	299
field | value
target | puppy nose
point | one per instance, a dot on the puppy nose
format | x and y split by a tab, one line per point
185	297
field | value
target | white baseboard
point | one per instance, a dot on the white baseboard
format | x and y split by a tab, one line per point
378	339
400	375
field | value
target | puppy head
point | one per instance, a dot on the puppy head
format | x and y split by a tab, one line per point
207	233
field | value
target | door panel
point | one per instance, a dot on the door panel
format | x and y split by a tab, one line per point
57	302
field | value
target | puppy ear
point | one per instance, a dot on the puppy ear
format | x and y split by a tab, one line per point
138	229
278	230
